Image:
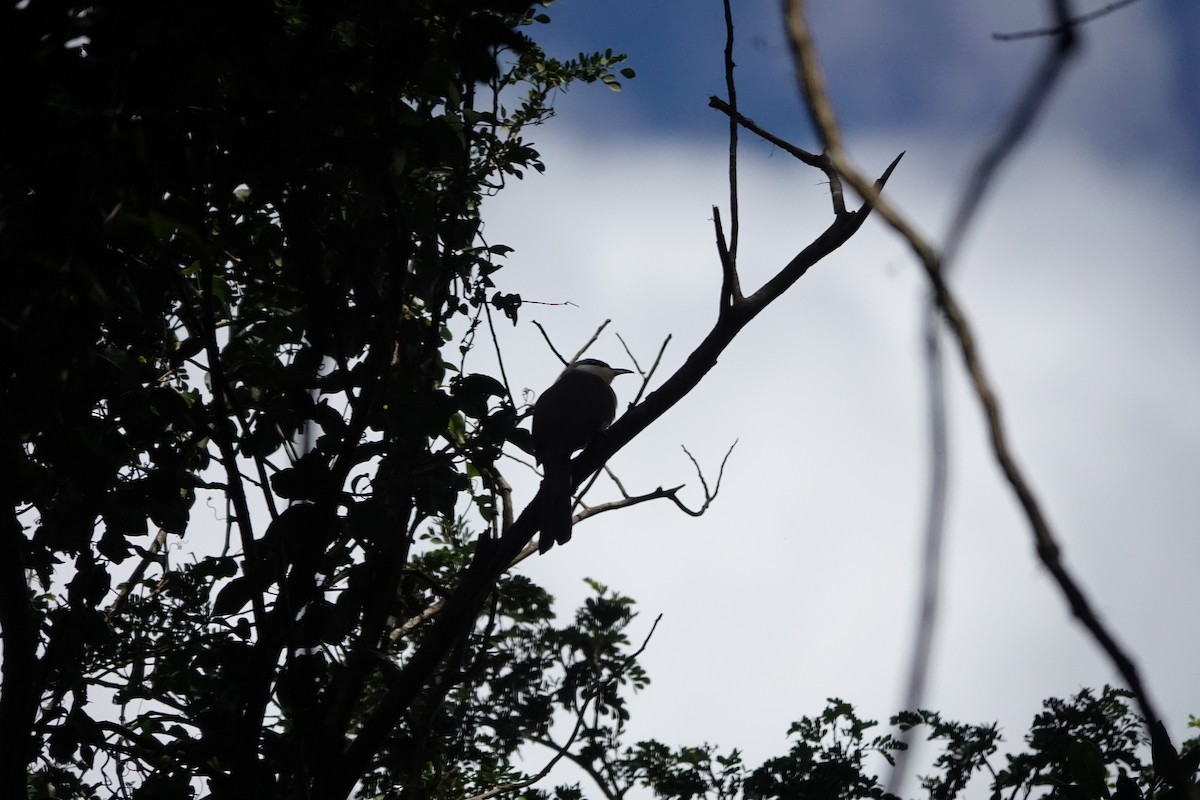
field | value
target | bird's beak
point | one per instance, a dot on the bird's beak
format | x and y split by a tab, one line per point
617	371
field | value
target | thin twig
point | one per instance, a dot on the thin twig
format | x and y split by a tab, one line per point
487	310
632	358
590	341
709	496
1057	29
625	502
549	343
811	159
649	376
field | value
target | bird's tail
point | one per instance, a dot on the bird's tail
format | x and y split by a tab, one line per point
556	503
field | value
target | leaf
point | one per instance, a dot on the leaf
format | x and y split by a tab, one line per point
1086	763
233	597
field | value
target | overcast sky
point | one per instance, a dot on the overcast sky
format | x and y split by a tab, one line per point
1081	278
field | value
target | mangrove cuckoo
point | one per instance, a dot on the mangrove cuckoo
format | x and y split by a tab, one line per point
566	418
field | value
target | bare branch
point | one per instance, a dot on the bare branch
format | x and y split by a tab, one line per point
549	343
731	290
649	375
505	491
709	497
811	159
820	162
414	621
646	376
731	88
1037	92
590	341
935	527
487	310
627	501
812	79
1057	29
632	358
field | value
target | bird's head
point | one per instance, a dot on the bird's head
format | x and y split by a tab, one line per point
598	368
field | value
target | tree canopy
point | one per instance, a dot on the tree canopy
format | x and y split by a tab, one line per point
235	236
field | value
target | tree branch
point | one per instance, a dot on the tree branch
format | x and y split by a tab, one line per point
1060	26
731	88
820	162
817	102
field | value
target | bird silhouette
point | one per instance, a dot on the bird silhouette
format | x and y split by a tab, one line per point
566	418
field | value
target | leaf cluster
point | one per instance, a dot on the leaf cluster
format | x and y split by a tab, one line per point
236	237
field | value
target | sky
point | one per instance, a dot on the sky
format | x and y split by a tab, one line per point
1080	277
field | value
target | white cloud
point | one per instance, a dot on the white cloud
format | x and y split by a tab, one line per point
799	583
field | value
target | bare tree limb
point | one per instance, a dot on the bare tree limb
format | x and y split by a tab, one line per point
811	159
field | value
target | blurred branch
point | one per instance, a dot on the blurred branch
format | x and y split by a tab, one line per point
1057	30
1029	107
812	86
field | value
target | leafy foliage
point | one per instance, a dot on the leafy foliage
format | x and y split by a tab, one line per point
235	237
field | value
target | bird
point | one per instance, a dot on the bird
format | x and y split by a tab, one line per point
566	418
